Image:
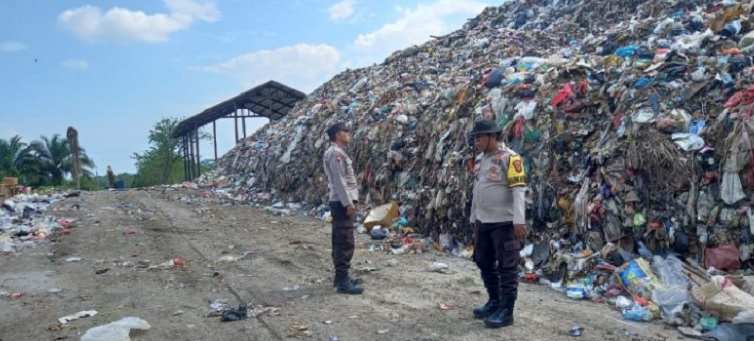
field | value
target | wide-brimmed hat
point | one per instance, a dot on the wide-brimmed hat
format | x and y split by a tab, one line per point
485	127
335	128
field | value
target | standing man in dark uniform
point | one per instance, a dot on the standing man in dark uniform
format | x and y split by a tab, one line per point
498	220
344	195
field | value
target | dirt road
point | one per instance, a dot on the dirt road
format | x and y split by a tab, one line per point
287	278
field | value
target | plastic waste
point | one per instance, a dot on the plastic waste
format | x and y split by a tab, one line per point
724	257
384	215
744	317
626	51
577	291
635	312
7	246
228	259
115	331
672	297
731	190
732	332
622	302
576	331
637	278
76	316
379	233
230	315
670	271
688	141
708	323
436	267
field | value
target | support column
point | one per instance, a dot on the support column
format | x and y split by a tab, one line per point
214	136
192	156
184	149
235	117
244	126
198	155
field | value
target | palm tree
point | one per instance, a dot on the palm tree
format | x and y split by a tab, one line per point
17	159
55	160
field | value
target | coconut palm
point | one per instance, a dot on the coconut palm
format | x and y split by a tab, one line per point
55	161
17	159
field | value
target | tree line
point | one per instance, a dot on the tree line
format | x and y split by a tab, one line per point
44	162
49	162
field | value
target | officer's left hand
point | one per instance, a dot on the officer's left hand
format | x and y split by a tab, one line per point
520	230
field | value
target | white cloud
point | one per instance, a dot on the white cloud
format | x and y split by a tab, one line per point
12	46
415	26
342	10
76	64
205	11
303	66
307	66
120	24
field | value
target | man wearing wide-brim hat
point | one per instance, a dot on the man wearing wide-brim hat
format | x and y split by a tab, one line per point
498	220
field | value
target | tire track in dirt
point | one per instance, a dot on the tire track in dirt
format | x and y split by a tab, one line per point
182	286
164	291
179	217
277	263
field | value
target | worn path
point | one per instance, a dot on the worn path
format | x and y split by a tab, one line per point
287	275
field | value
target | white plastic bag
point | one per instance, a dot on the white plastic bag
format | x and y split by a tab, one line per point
525	109
115	331
744	317
731	190
643	115
688	142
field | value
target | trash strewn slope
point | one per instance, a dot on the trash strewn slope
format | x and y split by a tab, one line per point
636	125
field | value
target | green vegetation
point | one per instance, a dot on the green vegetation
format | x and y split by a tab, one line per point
162	163
47	162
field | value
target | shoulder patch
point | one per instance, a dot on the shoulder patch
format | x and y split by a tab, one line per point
516	176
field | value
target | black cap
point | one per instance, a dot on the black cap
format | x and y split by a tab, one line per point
335	128
485	127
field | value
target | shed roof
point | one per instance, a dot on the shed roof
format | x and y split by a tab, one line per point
272	100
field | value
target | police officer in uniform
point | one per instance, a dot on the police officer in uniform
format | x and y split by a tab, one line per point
498	220
344	196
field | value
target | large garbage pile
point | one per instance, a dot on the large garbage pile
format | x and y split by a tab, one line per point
633	118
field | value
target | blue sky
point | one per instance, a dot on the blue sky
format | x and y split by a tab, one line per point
112	68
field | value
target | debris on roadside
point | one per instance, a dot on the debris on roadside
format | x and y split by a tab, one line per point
25	222
115	331
81	314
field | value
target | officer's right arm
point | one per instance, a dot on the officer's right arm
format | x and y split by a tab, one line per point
337	168
472	216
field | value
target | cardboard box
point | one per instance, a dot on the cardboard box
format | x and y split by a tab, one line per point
7	181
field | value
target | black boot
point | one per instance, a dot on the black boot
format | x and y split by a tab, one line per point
354	281
485	311
502	317
345	286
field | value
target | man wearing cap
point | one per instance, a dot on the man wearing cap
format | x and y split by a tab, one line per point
498	220
344	195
